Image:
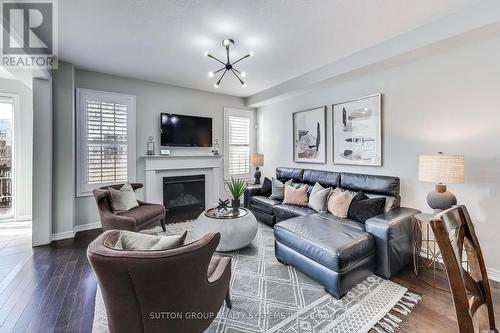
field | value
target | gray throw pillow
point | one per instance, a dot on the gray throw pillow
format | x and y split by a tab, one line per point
135	241
278	189
123	199
319	197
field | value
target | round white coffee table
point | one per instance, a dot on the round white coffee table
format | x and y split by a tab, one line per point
236	231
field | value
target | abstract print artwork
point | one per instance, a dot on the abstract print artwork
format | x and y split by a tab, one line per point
357	131
309	135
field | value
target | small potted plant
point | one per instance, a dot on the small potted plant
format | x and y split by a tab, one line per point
237	187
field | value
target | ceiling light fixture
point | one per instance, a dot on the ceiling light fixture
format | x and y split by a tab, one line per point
228	65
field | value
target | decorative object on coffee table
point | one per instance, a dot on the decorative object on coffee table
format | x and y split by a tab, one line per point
441	169
309	135
257	161
223	205
357	131
237	188
237	228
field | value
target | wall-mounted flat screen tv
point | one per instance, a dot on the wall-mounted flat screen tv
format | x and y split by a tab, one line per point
185	131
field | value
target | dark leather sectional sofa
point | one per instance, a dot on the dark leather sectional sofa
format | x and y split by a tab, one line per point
338	253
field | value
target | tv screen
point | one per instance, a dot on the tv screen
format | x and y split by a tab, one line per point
185	131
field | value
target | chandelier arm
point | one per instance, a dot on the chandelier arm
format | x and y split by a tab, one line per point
217	71
227	53
237	61
218	82
235	74
237	71
211	56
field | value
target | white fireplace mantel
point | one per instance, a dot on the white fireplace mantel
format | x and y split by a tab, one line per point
159	166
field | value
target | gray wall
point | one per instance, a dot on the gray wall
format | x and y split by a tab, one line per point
42	156
24	146
446	102
152	99
63	149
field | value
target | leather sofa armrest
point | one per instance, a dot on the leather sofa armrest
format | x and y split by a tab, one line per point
393	233
250	192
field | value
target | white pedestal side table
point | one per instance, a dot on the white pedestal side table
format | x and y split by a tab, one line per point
236	230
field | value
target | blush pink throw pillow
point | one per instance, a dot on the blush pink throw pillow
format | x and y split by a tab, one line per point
339	202
295	196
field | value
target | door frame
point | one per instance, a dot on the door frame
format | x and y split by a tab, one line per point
15	152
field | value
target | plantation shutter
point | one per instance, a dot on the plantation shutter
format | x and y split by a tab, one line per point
106	142
238	145
106	139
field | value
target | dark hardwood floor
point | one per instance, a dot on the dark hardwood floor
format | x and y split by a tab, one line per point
52	289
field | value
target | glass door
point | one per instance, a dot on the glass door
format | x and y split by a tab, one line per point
6	158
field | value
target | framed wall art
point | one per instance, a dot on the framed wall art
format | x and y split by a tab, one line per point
357	131
309	135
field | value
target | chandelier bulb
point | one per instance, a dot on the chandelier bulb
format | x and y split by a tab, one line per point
244	84
225	42
250	53
243	74
206	53
210	74
216	85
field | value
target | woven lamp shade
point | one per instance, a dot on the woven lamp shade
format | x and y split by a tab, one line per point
258	160
440	168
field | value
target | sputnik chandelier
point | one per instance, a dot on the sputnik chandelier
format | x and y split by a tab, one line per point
228	66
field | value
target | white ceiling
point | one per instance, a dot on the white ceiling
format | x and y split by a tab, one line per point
164	41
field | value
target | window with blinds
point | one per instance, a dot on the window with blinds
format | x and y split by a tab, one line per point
239	145
238	142
105	140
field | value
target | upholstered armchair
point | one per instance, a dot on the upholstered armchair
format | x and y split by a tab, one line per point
135	219
176	290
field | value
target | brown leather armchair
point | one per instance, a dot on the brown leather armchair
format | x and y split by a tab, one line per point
135	219
177	290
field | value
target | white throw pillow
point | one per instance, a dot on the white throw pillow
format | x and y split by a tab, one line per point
318	198
135	241
123	199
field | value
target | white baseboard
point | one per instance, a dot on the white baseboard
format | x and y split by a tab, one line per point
76	228
24	218
63	235
88	226
493	274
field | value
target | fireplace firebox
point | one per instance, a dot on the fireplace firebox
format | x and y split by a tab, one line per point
183	197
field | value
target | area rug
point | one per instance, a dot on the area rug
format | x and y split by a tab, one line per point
268	296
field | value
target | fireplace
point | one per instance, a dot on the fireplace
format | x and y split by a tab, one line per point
183	197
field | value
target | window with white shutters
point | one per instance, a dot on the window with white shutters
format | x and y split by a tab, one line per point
239	131
106	139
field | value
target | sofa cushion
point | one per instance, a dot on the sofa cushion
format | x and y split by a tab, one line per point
295	196
338	202
285	211
325	178
278	189
263	203
145	213
122	199
385	185
284	174
318	197
362	207
337	246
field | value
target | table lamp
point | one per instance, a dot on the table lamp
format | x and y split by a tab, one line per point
441	169
257	161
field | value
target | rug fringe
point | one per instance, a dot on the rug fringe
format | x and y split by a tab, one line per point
391	322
